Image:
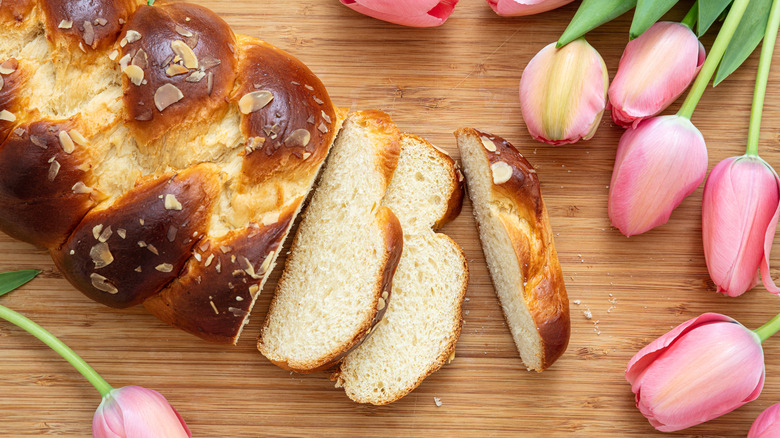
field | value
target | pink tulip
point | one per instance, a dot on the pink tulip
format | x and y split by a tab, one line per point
702	369
512	8
563	93
654	71
739	215
767	425
136	412
416	13
659	162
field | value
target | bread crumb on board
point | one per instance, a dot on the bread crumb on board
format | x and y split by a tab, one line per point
437	400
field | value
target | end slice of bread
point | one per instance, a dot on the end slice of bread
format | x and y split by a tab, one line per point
423	319
518	243
344	254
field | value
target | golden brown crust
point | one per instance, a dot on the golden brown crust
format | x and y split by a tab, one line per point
14	12
37	177
161	220
279	129
214	45
544	291
86	25
215	292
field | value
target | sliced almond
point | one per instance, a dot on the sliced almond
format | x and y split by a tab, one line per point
96	230
78	138
502	172
101	255
6	68
125	61
65	24
89	33
121	232
38	141
176	69
54	170
164	267
101	283
67	143
80	188
132	36
182	31
140	59
196	76
105	234
267	262
135	74
171	203
488	143
8	116
113	54
166	96
181	49
254	101
299	137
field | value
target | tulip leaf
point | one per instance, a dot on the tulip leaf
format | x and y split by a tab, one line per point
647	13
749	33
709	11
12	280
592	14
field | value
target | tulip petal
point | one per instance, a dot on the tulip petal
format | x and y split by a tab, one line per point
514	8
136	412
654	71
640	361
415	13
767	425
710	371
658	164
563	93
769	284
740	198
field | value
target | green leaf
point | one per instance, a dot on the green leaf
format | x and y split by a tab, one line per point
709	11
11	280
592	14
647	13
749	33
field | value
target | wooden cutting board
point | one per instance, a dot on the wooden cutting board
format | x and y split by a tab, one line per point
431	81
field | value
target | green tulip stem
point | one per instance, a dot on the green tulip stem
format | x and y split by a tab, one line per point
767	48
771	327
692	16
714	58
63	350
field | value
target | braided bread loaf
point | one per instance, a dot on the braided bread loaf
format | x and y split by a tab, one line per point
159	157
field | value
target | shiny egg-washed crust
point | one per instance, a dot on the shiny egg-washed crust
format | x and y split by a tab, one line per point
544	290
193	243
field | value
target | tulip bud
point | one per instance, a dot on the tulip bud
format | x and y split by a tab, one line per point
563	93
136	412
654	71
416	13
767	425
659	162
739	215
702	369
513	8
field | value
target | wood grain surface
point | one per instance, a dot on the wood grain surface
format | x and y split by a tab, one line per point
431	81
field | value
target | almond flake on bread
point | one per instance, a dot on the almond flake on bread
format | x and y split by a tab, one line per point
337	279
518	244
423	321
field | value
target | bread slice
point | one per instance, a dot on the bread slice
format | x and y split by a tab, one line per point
518	243
423	319
344	253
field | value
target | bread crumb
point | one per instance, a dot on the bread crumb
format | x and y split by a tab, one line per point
577	302
437	400
587	313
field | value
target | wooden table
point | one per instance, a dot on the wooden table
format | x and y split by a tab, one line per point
431	81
